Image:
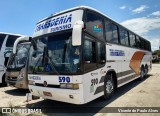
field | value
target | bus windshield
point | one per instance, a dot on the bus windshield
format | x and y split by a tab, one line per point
19	59
55	54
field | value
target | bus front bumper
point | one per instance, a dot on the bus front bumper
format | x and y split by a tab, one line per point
58	94
20	84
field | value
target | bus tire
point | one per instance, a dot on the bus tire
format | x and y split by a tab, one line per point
109	86
142	73
146	70
3	81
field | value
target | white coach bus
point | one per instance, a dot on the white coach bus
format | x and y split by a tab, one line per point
80	54
6	46
17	67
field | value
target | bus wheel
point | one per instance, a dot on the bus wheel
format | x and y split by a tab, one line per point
146	70
108	87
142	73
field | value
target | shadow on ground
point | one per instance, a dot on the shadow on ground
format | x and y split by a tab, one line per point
2	85
91	108
17	92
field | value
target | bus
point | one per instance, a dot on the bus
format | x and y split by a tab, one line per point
6	45
80	54
16	70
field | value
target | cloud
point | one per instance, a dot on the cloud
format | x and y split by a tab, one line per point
157	13
142	26
155	41
123	7
140	9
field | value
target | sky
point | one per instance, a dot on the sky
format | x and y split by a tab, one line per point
141	16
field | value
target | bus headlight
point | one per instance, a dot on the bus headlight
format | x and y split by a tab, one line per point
21	76
69	86
31	82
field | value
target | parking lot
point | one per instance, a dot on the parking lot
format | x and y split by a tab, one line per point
137	93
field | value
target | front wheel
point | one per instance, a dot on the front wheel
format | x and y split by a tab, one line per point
108	86
146	71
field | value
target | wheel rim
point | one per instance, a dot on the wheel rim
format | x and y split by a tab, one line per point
142	73
146	71
109	86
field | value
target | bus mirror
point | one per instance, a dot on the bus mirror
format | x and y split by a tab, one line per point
34	54
30	38
33	42
20	39
77	33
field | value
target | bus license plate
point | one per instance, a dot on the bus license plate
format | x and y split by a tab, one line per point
47	94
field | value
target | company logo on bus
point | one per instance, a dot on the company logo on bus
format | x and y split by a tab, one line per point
97	28
56	23
116	52
35	78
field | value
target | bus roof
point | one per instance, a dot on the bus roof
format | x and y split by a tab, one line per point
11	34
90	8
74	8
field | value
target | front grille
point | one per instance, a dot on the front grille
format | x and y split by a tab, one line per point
11	83
49	85
12	78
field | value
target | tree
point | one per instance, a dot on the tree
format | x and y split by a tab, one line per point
156	52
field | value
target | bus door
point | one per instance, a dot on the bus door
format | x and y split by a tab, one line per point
94	62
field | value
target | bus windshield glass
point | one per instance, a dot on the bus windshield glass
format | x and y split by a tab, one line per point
19	59
54	54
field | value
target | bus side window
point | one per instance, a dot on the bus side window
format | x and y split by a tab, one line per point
89	54
123	37
2	37
111	32
138	43
147	45
142	43
10	41
101	53
94	25
132	40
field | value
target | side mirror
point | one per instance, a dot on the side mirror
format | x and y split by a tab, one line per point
23	38
33	42
77	33
34	54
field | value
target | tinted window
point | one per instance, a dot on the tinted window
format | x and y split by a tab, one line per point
94	25
132	40
2	37
10	41
138	42
101	53
111	32
123	37
142	43
147	45
89	53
